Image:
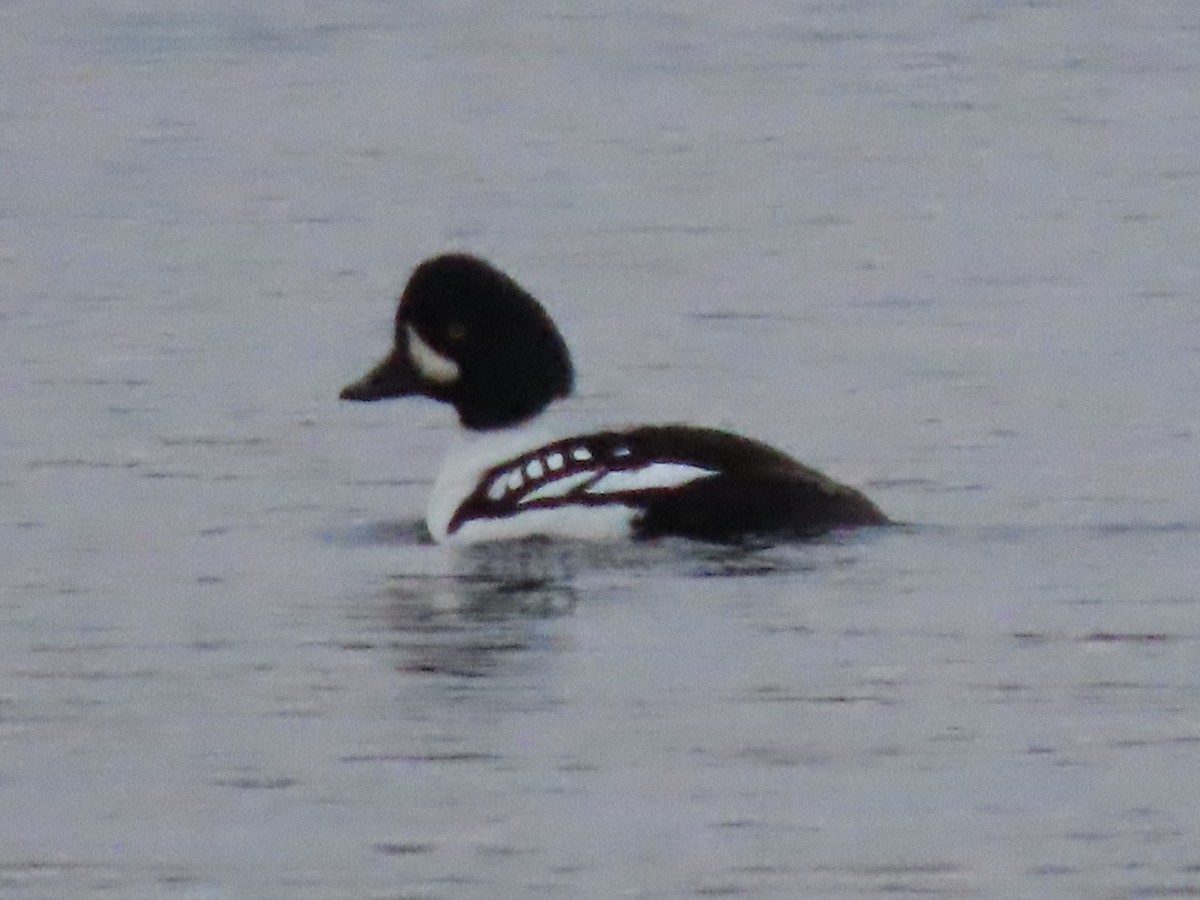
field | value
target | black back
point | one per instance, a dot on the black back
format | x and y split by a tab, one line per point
760	491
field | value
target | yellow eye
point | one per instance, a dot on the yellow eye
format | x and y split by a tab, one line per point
456	331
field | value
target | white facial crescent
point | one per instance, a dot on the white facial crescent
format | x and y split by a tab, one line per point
430	365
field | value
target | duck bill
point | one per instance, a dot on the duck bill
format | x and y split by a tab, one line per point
394	377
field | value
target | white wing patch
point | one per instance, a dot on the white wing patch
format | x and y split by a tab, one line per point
559	487
431	365
567	489
648	477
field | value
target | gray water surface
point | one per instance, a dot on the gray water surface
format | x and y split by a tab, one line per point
944	251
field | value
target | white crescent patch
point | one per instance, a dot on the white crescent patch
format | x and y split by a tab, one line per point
431	365
559	487
648	477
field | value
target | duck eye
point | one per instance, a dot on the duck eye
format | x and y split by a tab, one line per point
456	331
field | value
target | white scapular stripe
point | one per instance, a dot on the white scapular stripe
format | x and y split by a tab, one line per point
431	365
649	477
559	487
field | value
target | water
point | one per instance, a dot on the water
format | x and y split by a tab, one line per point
945	251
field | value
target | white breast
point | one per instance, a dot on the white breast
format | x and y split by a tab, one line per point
469	458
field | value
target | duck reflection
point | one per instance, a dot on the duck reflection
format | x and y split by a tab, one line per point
490	609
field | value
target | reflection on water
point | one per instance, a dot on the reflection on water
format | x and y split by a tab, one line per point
462	622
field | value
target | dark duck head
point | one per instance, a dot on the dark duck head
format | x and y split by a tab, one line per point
470	336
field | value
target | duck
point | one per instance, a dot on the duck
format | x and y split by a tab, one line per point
468	335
